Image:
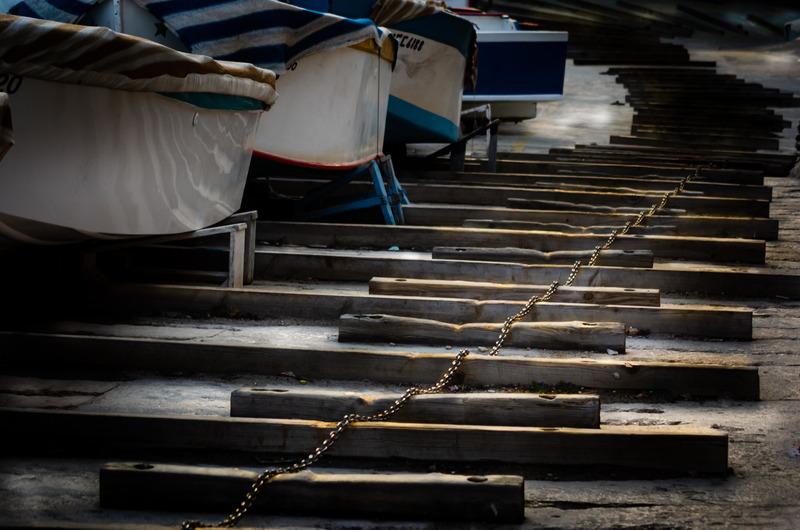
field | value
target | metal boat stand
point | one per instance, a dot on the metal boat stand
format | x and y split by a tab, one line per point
458	149
239	227
389	195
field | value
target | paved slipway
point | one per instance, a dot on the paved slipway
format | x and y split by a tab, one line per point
762	489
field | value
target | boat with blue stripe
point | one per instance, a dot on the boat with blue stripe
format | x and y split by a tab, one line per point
435	58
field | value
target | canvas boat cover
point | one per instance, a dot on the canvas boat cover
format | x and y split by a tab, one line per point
388	12
266	33
97	56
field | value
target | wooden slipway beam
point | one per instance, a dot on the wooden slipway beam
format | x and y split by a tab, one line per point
348	266
164	356
595	336
662	449
533	164
422	214
644	184
707	322
478	408
505	291
415	496
497	196
425	238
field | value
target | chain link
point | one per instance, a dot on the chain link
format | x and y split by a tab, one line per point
505	330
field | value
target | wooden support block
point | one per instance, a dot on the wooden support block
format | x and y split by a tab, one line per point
607	258
478	408
673	449
111	354
504	291
598	336
406	496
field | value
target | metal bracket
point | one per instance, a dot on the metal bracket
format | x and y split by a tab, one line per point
389	195
458	149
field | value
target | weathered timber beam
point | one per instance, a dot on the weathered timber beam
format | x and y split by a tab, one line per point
763	163
644	230
474	408
426	238
641	184
409	496
504	291
569	335
498	196
677	450
608	258
73	352
650	163
421	214
506	164
721	323
348	267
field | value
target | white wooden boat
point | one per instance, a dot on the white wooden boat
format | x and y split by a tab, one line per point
518	67
334	74
116	136
435	58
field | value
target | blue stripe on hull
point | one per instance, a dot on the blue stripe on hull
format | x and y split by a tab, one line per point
520	68
407	123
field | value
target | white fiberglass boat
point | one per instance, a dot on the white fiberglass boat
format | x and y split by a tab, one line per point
333	73
115	136
435	60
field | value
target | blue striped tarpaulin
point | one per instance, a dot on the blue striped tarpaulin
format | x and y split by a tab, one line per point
266	33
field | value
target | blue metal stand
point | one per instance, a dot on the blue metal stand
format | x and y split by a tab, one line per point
389	196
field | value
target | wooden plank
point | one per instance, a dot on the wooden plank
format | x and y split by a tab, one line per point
644	230
694	321
414	496
662	449
498	195
507	164
71	352
455	215
478	408
761	163
354	267
642	184
569	335
505	291
585	157
425	238
607	258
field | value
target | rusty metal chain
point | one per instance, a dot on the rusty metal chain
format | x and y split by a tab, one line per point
398	404
333	435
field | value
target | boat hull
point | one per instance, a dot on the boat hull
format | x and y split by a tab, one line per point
93	160
428	79
518	68
305	128
425	100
